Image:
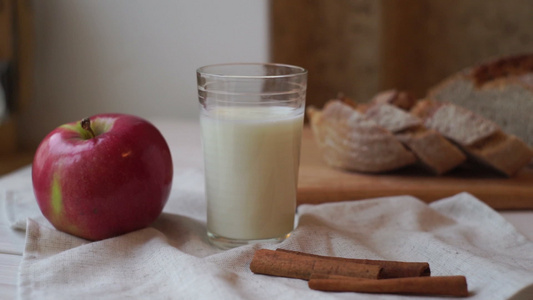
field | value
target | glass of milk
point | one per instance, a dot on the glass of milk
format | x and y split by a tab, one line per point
251	115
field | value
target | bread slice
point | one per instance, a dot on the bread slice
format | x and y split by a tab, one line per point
434	152
400	99
478	137
500	90
505	153
391	118
351	141
454	122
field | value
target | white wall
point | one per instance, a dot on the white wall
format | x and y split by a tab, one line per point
134	56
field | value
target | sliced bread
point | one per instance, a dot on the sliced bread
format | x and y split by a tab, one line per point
500	90
479	138
351	141
433	151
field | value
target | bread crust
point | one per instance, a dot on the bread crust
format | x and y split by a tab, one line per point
501	68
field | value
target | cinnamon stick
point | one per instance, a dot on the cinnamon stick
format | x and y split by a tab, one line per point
391	269
333	276
286	264
434	286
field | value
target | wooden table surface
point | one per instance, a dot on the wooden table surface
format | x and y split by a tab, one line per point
319	183
184	140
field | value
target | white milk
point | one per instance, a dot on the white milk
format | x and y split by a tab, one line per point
251	164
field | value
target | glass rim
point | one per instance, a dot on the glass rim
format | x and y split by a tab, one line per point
298	71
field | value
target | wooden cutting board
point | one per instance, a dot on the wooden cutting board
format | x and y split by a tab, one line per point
319	183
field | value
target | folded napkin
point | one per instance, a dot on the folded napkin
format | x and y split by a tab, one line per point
172	259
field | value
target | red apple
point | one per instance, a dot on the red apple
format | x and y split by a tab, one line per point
103	176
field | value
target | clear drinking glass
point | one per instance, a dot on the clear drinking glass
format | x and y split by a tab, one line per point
251	116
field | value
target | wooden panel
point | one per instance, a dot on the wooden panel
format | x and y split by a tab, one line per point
319	183
336	41
16	51
8	137
6	29
360	47
426	41
405	63
24	54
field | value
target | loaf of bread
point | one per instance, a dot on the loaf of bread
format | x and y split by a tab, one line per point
500	90
350	141
369	138
388	134
482	113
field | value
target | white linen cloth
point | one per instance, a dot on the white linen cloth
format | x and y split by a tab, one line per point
172	259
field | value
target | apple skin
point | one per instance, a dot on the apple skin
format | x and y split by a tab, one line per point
99	187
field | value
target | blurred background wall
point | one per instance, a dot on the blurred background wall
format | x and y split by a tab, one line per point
360	47
140	57
133	56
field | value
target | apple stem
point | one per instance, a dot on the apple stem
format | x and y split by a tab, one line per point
86	124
